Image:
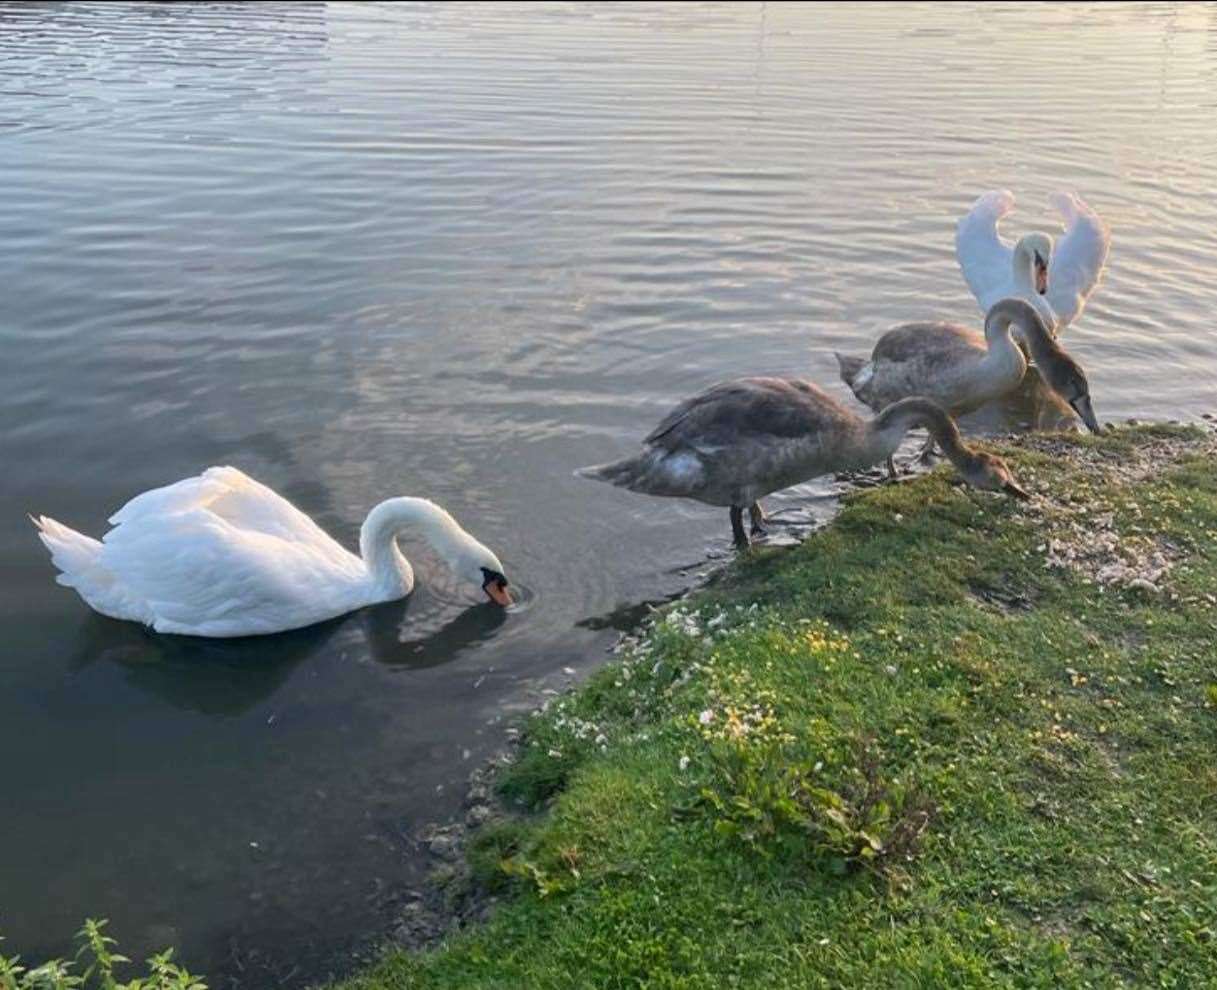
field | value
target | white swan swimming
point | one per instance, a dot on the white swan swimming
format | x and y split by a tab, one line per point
223	555
1055	279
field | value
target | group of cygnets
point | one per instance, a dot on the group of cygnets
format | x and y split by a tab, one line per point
222	555
740	440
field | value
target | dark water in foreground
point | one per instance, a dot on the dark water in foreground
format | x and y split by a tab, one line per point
458	251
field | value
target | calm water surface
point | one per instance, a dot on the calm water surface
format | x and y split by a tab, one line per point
458	251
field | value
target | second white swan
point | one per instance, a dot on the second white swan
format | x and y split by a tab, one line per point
223	555
1056	279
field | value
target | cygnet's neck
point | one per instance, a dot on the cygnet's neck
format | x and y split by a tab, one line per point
1005	359
891	425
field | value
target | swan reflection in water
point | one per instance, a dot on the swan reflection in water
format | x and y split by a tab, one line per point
229	677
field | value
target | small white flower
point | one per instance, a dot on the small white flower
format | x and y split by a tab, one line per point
684	764
819	766
890	669
555	753
601	739
706	717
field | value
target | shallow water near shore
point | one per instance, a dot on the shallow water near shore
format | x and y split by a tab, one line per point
458	251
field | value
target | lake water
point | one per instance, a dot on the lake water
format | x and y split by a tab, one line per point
458	251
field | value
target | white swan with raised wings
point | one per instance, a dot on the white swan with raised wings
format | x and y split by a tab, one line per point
1056	279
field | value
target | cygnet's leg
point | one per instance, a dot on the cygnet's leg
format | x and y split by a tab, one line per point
892	473
757	516
737	528
927	452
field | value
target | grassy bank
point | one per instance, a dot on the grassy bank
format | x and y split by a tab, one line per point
951	740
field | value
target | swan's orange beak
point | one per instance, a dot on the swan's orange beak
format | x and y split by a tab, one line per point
496	590
1041	275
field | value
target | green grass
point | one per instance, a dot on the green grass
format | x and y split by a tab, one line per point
930	759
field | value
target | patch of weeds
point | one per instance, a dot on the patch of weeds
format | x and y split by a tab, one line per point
545	882
537	776
99	959
772	802
490	846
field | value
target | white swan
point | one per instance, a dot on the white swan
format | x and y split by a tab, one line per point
1056	280
222	555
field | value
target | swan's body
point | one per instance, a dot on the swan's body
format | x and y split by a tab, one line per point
740	440
222	555
962	370
1055	279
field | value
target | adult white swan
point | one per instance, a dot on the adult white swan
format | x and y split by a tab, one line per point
222	555
1056	280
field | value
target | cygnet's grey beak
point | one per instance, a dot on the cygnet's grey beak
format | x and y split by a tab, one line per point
1011	487
1081	406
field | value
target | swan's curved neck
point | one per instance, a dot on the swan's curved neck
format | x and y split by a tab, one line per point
390	570
1004	357
1045	351
890	426
1023	262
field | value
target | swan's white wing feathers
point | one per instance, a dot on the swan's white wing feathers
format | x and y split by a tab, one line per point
984	258
1077	258
199	573
221	553
232	496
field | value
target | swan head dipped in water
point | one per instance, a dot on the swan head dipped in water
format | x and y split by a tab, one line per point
222	555
468	559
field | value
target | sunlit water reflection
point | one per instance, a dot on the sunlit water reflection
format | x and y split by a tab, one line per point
458	251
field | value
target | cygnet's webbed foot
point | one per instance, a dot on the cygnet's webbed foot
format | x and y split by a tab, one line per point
738	536
757	517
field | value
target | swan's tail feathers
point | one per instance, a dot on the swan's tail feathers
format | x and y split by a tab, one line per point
617	473
78	558
850	367
75	554
653	472
857	373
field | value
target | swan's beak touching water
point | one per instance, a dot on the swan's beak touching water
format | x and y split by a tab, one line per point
495	587
1041	274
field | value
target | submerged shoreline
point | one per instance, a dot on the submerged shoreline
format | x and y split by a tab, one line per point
850	729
